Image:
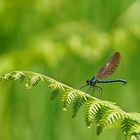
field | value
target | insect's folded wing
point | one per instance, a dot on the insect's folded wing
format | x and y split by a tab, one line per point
109	68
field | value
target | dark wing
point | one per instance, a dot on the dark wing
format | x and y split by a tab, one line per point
109	68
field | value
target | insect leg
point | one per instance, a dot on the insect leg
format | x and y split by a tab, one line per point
93	89
88	89
99	89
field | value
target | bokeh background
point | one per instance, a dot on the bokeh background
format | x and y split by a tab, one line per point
68	40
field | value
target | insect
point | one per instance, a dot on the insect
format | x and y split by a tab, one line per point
106	71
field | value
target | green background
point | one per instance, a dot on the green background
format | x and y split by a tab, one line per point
68	40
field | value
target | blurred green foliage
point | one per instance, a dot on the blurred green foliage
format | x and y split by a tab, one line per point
69	41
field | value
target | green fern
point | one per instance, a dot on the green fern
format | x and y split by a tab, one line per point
6	76
18	75
68	97
91	109
55	84
34	79
106	114
100	118
78	102
131	126
54	94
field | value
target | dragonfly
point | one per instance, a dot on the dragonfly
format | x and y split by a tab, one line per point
106	71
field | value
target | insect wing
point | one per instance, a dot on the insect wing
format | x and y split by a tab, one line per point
109	68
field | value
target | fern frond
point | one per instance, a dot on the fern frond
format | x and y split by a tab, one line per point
6	76
108	118
131	127
55	84
91	109
54	94
18	76
33	81
68	97
106	114
113	116
78	102
100	119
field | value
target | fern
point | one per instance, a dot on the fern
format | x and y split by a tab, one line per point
131	126
91	109
18	75
68	97
55	84
34	79
6	76
78	102
106	114
54	94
